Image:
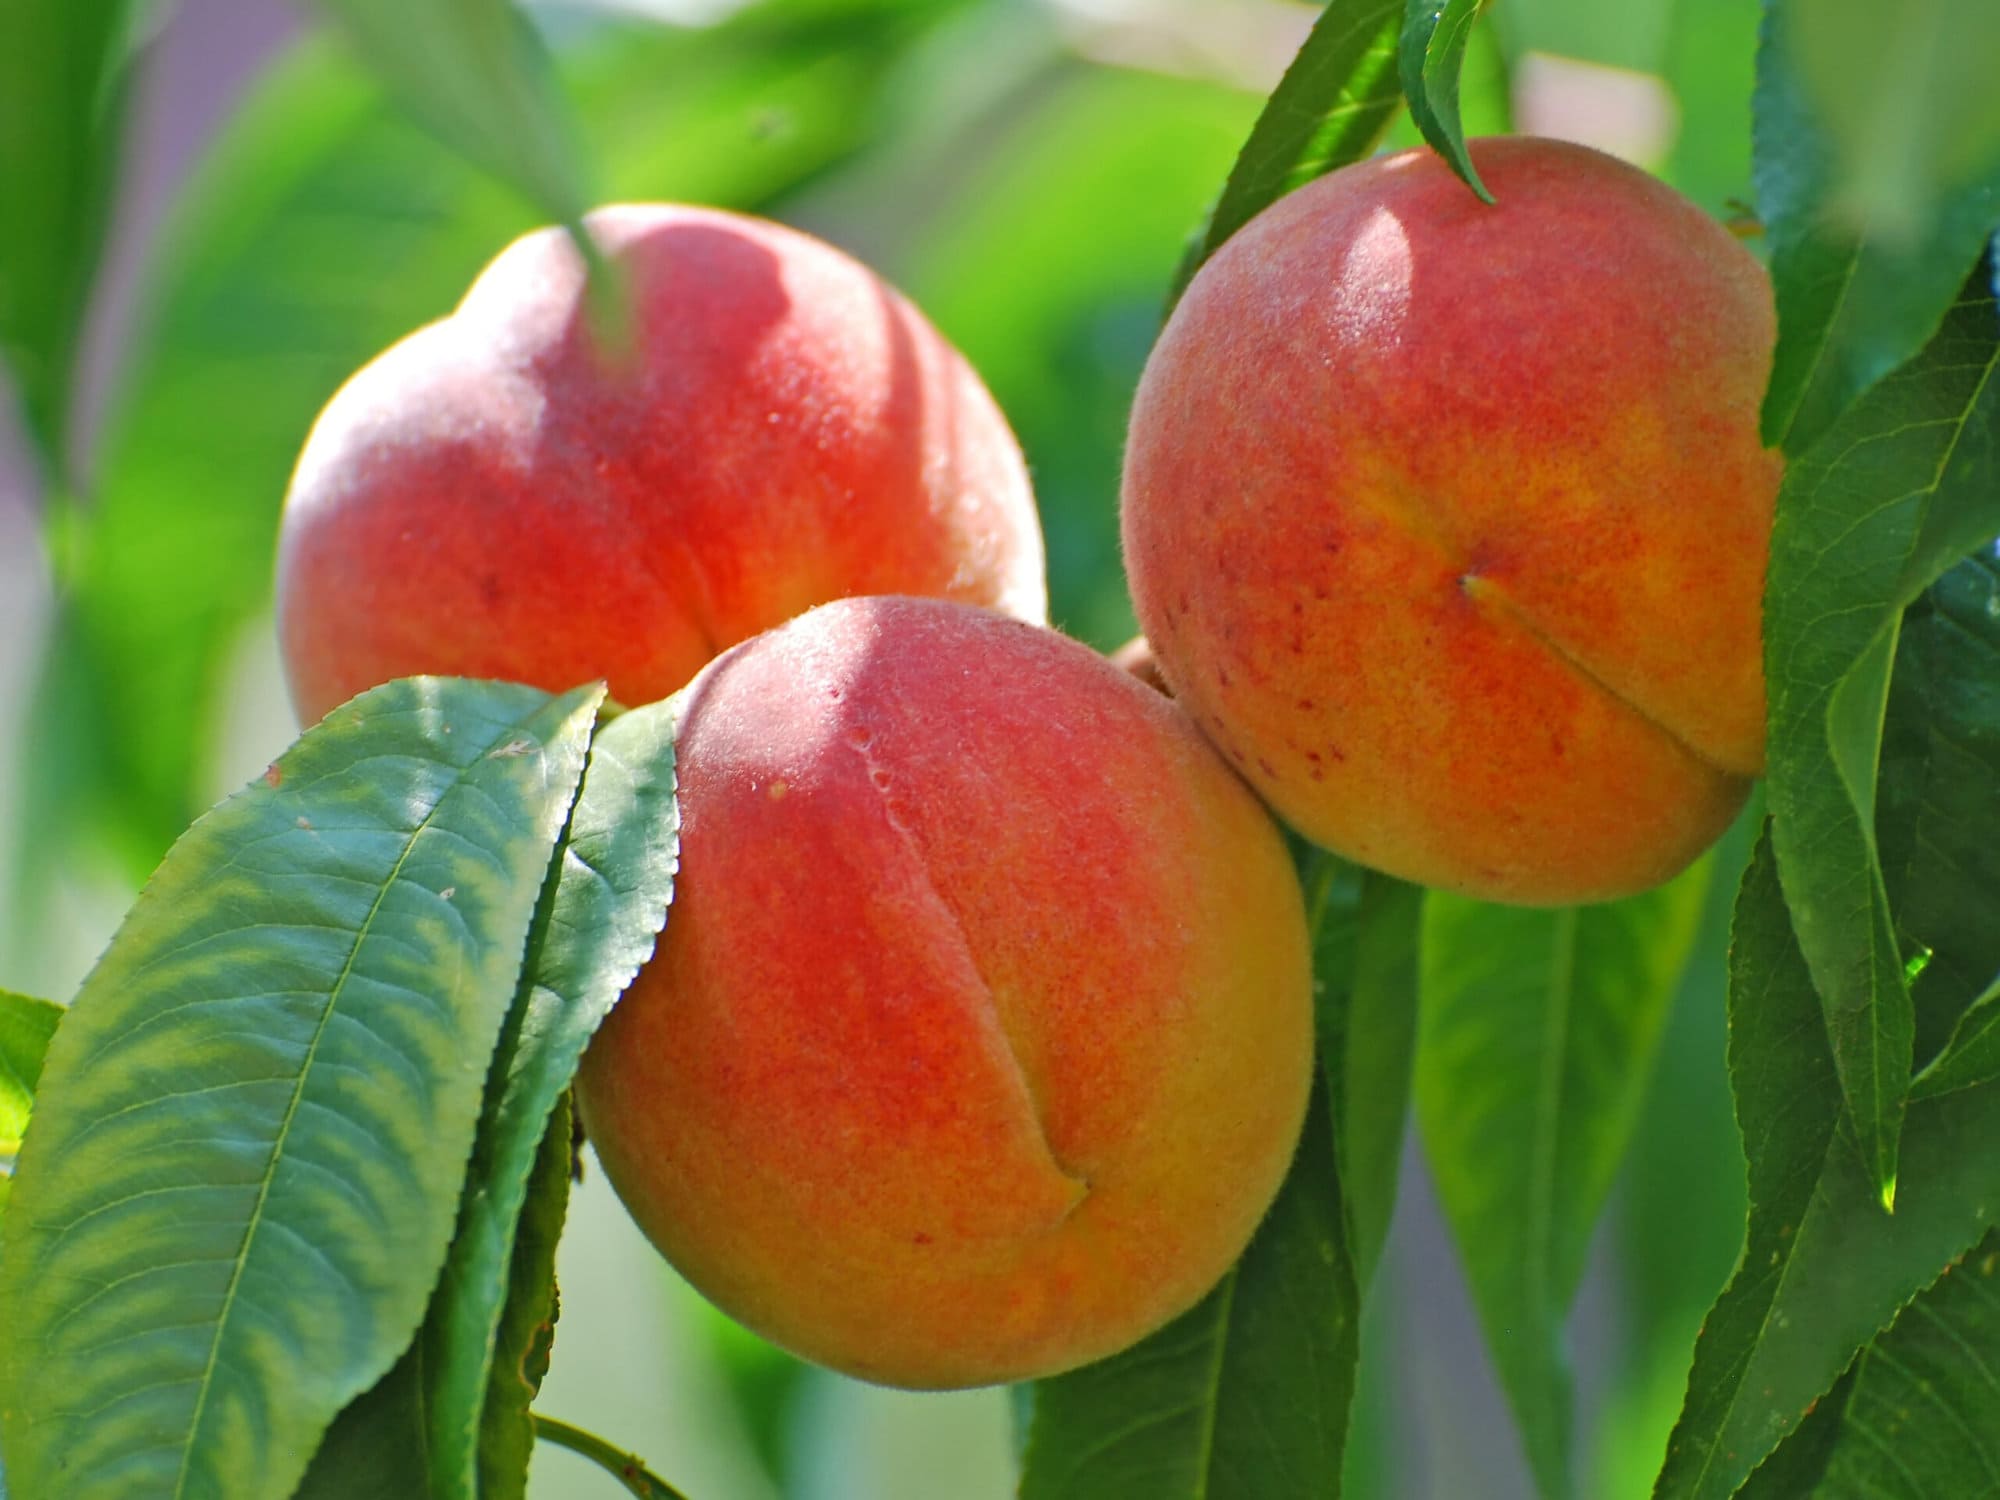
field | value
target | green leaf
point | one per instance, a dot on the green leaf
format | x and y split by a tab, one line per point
254	1121
526	1332
1937	821
612	885
62	92
375	1447
1328	110
1904	93
1365	926
1904	485
1823	1269
475	74
1430	55
26	1025
1710	66
1537	1033
460	1422
1677	1210
322	227
1856	298
1243	1398
1799	1463
1923	1418
1973	1057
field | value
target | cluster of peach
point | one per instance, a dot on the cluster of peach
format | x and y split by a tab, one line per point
981	1033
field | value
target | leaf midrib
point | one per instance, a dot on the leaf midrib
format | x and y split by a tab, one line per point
207	1383
1205	1444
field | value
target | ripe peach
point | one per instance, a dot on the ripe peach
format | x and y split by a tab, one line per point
980	1034
1448	522
497	497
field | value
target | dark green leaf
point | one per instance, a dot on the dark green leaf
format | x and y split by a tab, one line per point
1328	110
375	1447
1430	55
526	1332
1365	927
1538	1030
1799	1463
26	1025
1923	1419
1823	1270
1856	297
475	74
1973	1057
1904	485
254	1121
62	88
1243	1398
1937	820
1379	1040
323	227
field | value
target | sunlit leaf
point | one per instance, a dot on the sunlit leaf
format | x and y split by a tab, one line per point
1903	486
62	90
454	1413
1823	1269
254	1120
1538	1030
1430	54
1856	298
1328	110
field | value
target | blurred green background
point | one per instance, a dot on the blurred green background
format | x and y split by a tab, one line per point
1028	170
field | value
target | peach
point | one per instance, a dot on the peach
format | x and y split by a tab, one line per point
980	1034
498	496
1448	522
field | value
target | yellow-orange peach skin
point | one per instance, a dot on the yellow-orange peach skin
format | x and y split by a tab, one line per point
1449	521
497	496
979	1037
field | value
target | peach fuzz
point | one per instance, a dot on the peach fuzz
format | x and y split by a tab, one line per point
980	1035
1448	521
497	496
